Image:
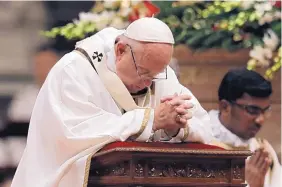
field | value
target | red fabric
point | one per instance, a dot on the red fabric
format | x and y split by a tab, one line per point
159	145
134	15
153	9
278	4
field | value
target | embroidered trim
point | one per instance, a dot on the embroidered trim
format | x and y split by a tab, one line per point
144	124
228	146
186	133
87	170
84	53
176	150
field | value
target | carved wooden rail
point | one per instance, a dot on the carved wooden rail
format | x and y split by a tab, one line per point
159	164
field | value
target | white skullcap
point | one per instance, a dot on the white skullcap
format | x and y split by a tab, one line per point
149	29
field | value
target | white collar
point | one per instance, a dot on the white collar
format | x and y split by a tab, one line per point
224	135
111	59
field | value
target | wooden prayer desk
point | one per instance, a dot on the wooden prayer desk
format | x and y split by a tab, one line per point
131	164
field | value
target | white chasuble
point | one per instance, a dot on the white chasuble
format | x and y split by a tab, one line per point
78	111
232	141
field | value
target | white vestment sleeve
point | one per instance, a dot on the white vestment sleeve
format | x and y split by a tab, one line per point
198	129
74	117
84	118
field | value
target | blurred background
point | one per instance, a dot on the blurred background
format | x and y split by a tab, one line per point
211	38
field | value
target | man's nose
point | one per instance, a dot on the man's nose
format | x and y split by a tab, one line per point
147	82
260	118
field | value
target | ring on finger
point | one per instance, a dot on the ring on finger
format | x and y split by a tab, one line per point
177	118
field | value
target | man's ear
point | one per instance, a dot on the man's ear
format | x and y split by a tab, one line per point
120	48
224	107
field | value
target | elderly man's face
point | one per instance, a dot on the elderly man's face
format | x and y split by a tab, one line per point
138	67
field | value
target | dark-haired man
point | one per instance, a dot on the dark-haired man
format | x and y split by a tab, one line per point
244	106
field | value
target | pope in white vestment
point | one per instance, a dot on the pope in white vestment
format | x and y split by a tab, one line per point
79	110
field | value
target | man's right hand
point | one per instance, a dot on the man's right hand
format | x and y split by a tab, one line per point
256	168
167	112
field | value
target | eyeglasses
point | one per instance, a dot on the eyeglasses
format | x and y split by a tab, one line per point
254	110
160	76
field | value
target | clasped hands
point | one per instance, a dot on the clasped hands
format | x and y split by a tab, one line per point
172	114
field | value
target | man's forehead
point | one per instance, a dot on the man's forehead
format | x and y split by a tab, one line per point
251	100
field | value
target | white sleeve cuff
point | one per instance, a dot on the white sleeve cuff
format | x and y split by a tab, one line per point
181	136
